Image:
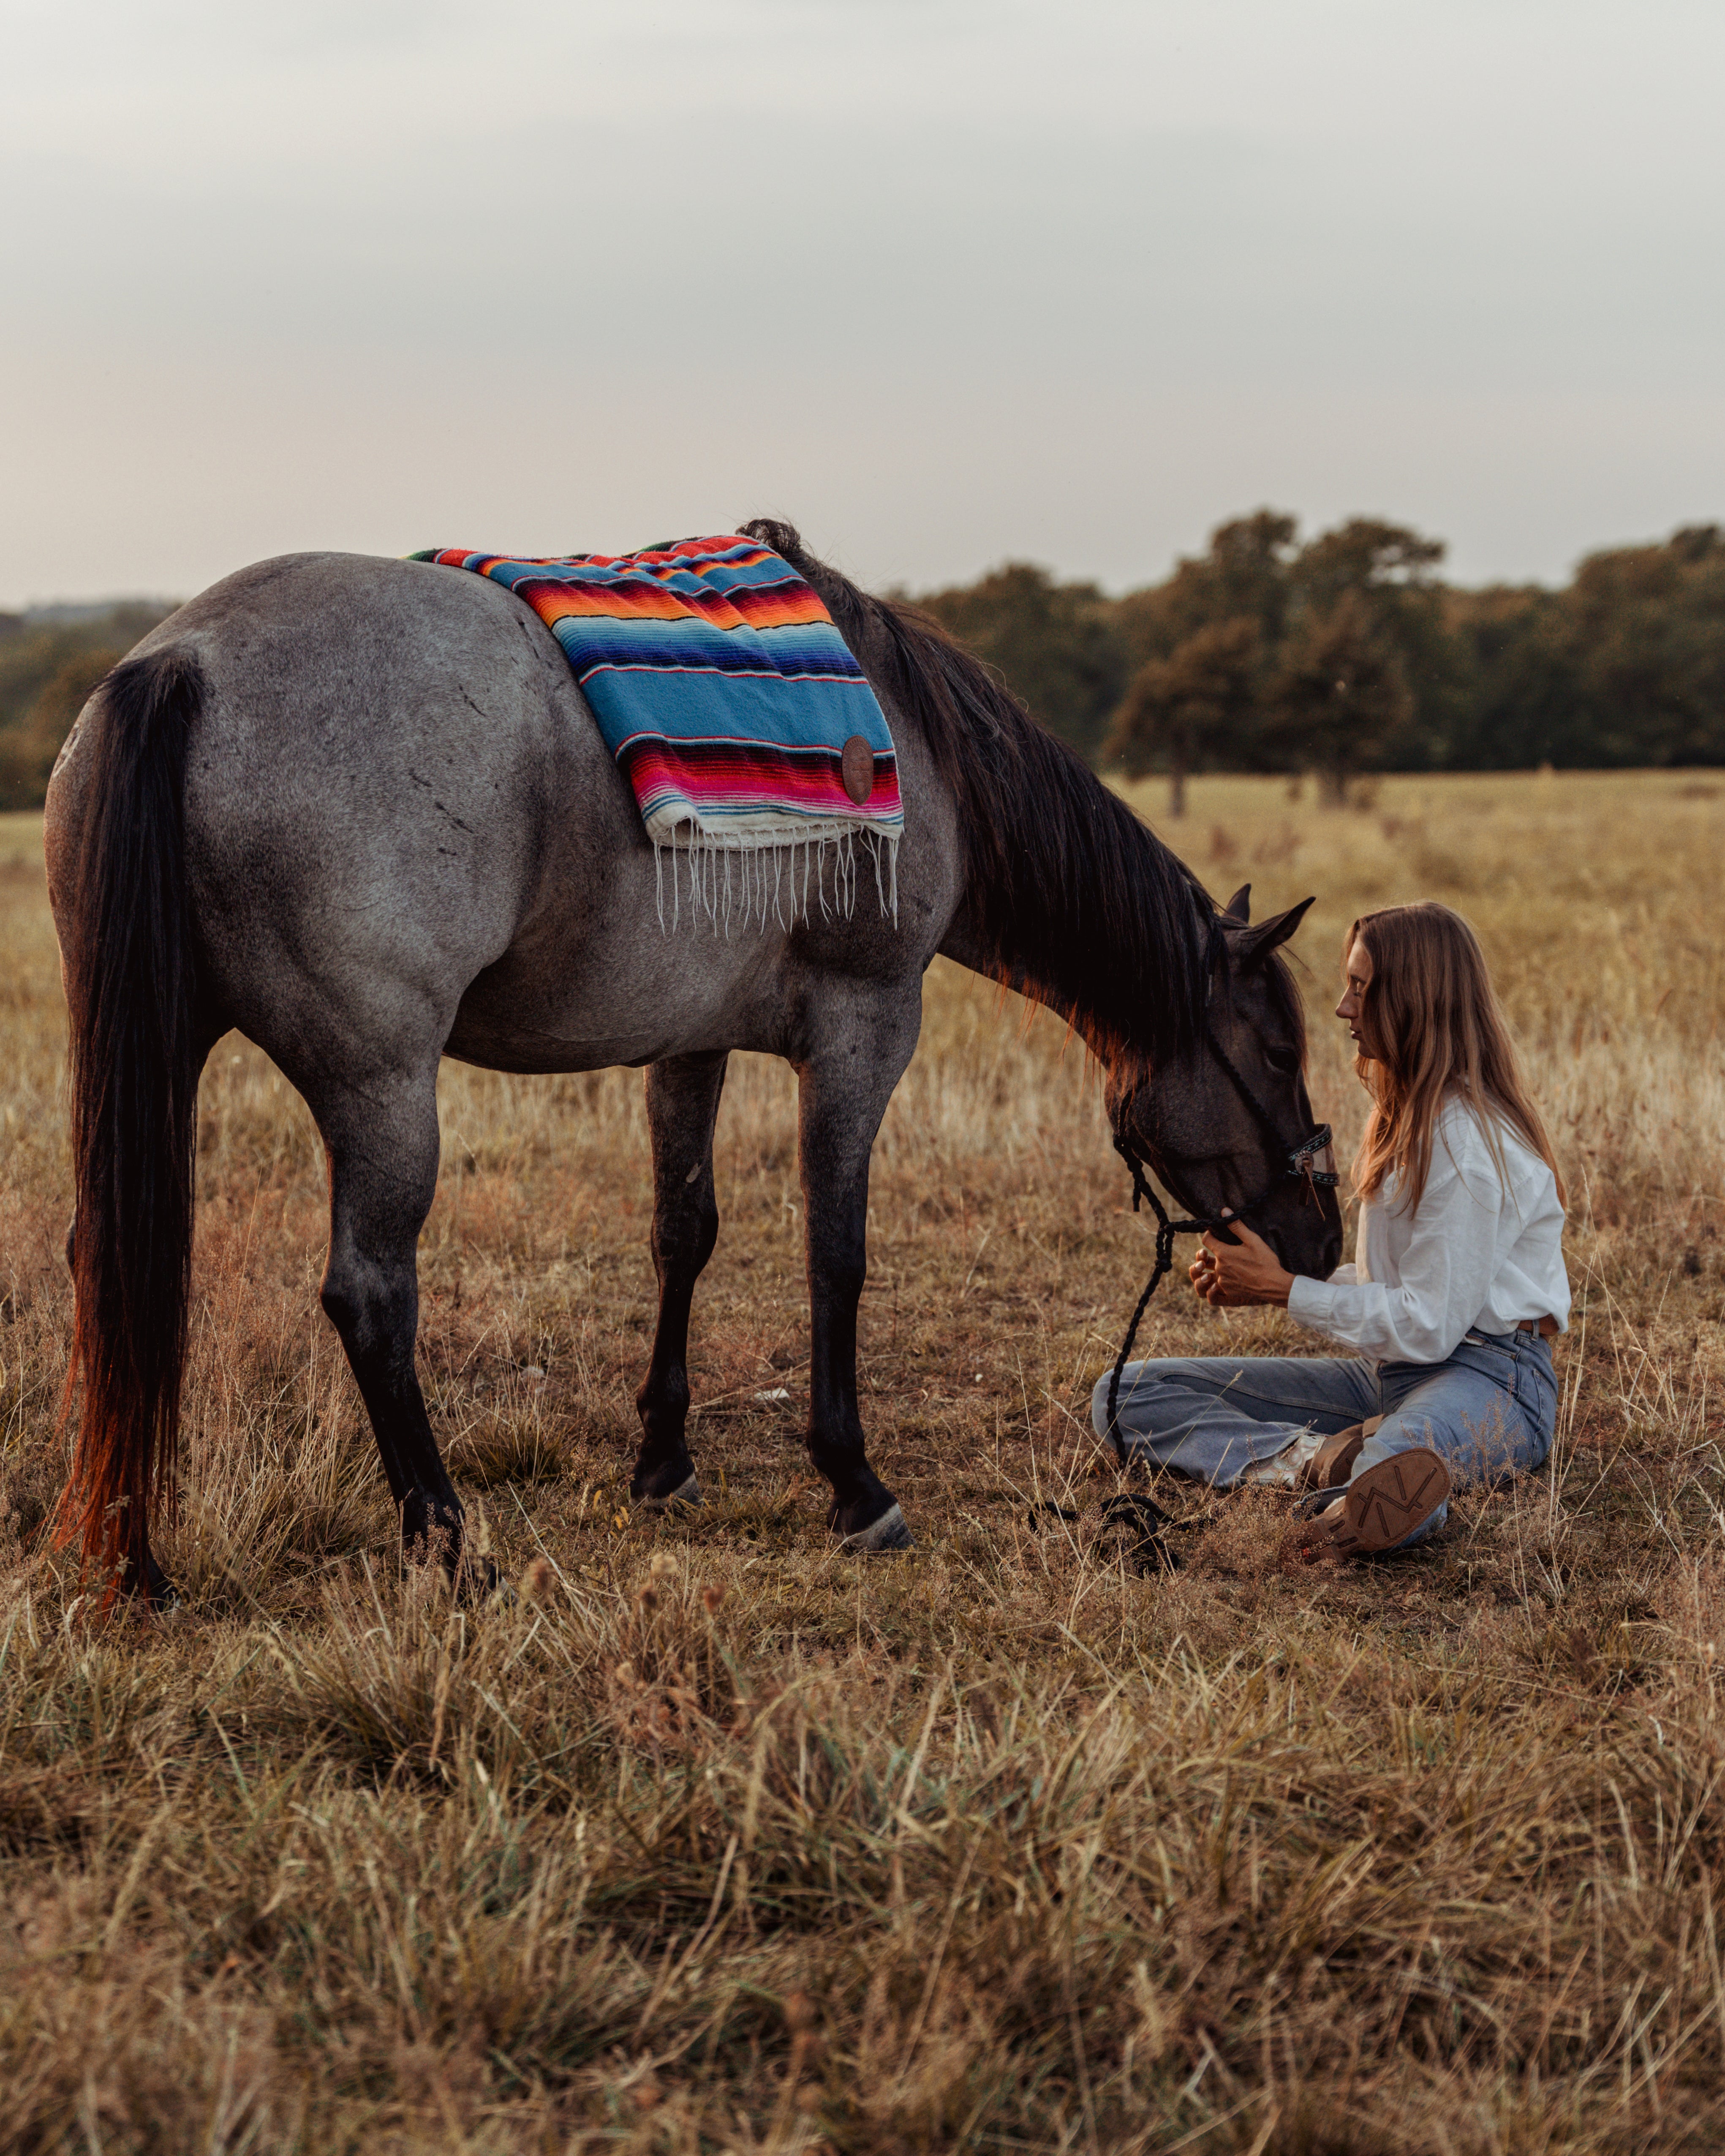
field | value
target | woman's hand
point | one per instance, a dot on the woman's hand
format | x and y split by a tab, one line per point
1232	1277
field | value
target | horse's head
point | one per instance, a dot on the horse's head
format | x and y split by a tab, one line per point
1227	1124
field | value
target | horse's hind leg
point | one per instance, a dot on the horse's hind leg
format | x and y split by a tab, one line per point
682	1104
382	1146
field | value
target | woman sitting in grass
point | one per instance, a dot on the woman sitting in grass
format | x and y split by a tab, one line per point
1457	1285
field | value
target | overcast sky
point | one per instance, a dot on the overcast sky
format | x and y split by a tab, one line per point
946	281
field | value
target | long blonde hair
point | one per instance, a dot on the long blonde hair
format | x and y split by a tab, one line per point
1431	1009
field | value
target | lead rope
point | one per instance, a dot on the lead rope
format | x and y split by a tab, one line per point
1301	1163
1166	1231
1300	1160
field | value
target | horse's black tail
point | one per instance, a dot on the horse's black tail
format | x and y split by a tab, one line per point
131	991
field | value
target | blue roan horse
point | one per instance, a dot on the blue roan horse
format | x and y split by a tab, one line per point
358	810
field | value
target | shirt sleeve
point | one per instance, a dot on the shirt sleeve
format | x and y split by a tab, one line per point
1446	1272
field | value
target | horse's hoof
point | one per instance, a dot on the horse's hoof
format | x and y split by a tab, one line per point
687	1492
160	1599
479	1580
881	1536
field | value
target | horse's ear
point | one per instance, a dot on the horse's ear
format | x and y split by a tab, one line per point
1255	944
1239	907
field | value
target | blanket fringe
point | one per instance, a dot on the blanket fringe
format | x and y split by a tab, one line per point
724	883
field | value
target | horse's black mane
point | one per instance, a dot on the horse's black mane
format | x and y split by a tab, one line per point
1071	898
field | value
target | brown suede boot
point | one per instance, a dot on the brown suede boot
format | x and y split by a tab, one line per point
1330	1465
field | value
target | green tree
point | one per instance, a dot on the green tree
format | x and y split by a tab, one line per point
1196	707
1339	696
47	669
1392	570
1520	704
1624	665
1365	554
28	750
1244	575
1056	646
1647	631
1255	569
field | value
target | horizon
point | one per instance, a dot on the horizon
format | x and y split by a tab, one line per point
45	611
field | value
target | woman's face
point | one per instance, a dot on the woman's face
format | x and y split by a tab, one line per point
1358	972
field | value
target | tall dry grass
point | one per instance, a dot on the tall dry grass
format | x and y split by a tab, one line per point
717	1839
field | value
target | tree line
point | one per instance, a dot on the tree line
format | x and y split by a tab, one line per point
49	662
1346	653
1338	655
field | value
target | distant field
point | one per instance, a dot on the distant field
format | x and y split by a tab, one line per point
720	1840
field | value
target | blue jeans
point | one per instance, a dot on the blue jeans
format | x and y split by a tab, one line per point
1490	1410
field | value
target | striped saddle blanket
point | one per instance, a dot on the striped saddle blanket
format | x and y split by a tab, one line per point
735	708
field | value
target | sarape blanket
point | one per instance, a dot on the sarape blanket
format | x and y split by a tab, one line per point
757	751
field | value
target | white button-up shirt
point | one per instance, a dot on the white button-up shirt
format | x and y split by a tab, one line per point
1473	1256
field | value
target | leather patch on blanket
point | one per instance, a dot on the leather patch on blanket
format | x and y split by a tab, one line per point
856	767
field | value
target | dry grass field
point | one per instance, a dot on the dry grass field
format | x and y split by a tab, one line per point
716	1840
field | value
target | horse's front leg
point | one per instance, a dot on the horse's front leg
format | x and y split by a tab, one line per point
682	1106
845	1086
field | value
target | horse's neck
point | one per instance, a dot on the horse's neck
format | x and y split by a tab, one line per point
1067	896
1101	934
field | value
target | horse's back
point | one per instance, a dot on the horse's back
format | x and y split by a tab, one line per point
382	755
404	835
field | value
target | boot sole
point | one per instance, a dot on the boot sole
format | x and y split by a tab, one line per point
1385	1505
